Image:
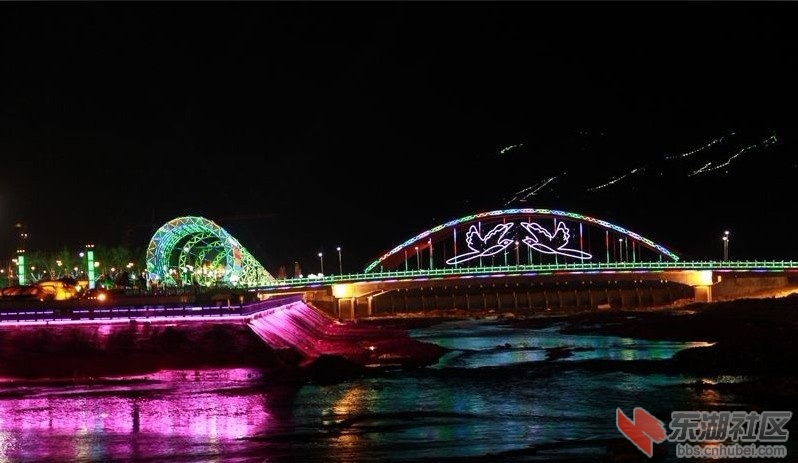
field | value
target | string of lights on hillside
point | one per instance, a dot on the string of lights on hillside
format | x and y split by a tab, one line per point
708	167
511	147
535	188
617	179
700	148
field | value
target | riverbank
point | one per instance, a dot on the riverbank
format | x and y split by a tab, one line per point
756	339
749	336
748	361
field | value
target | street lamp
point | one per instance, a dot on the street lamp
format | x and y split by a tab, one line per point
340	266
418	259
321	260
725	239
620	249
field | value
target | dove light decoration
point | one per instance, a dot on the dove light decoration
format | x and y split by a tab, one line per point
493	232
538	238
492	243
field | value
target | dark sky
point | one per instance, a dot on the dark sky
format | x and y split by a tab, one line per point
303	126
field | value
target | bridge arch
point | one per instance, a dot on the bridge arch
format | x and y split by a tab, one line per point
544	235
189	250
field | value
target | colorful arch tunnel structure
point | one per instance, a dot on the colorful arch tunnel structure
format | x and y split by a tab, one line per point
194	250
525	237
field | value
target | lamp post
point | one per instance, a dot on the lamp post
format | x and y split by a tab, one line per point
418	259
626	247
430	253
321	261
516	253
620	249
340	266
725	239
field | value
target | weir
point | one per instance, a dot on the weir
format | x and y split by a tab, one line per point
311	333
294	325
282	323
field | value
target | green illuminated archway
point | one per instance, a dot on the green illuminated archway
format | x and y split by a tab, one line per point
189	250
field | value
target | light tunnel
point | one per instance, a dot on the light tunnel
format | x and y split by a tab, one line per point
196	251
521	237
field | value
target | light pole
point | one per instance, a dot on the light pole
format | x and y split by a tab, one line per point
321	261
418	259
430	253
620	249
626	247
725	239
340	266
516	253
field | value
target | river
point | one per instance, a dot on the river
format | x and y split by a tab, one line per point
500	392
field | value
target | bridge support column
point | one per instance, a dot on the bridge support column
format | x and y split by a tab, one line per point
702	293
347	307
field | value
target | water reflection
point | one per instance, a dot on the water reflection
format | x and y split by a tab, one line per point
454	410
92	423
480	343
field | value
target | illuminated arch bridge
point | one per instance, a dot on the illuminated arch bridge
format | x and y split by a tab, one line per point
195	250
521	237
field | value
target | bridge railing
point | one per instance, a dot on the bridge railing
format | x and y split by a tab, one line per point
268	304
542	269
145	312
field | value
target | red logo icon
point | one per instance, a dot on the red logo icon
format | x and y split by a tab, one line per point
643	431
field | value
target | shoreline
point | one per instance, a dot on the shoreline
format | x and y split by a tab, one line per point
755	339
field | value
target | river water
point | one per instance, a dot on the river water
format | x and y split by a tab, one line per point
498	393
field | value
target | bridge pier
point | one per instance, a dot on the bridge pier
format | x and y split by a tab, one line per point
702	293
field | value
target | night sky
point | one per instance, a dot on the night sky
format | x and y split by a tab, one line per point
303	126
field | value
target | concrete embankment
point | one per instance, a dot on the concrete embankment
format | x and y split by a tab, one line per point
273	337
90	350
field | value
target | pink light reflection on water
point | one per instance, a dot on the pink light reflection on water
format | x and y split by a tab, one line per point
210	408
